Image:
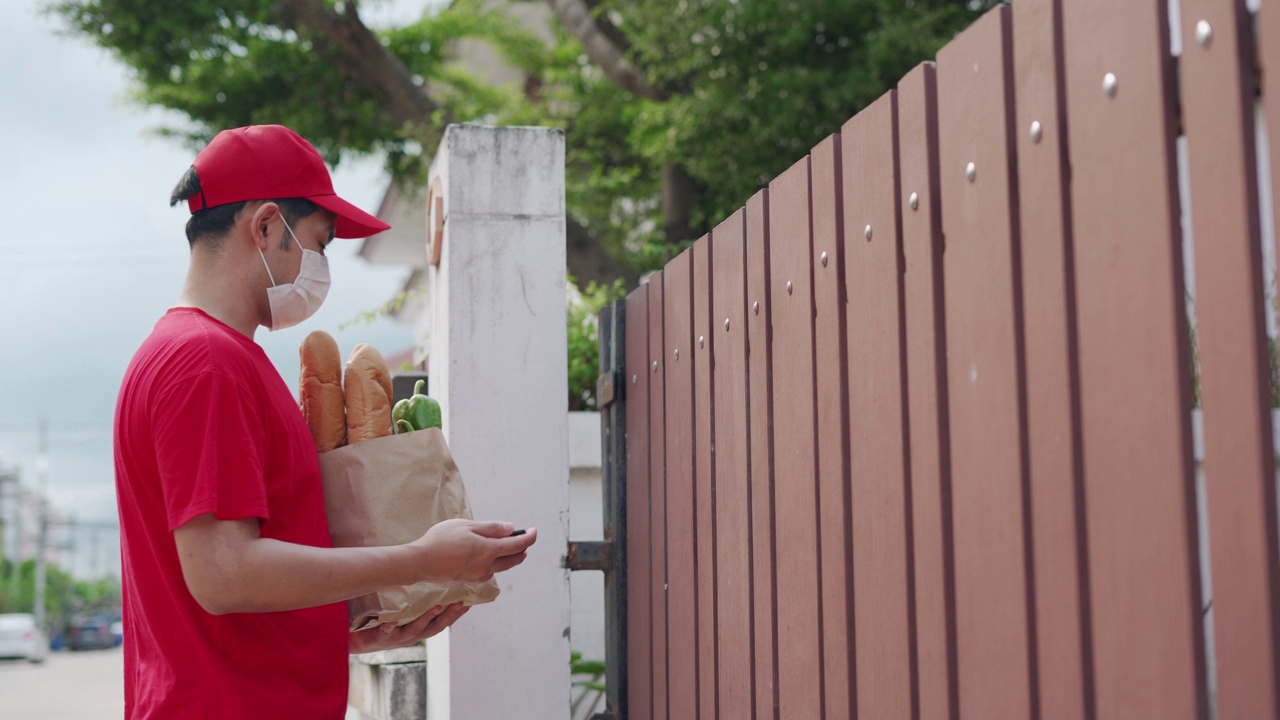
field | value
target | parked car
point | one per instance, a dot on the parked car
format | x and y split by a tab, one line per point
117	632
20	638
90	633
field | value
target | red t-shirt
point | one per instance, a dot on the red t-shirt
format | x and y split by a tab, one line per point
204	423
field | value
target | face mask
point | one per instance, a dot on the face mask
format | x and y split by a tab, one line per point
294	302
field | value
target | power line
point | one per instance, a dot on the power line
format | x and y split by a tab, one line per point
91	255
58	425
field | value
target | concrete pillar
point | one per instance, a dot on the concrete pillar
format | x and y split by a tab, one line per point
497	361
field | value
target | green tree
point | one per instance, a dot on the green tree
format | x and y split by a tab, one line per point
732	92
65	597
7	583
676	111
584	347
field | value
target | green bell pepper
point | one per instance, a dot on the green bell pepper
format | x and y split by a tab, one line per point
418	412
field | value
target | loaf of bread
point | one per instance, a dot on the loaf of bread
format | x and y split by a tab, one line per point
320	391
368	390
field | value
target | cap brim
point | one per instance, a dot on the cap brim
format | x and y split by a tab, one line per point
352	222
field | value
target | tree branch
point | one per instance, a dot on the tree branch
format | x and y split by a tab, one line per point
679	196
589	262
609	56
606	46
361	56
611	31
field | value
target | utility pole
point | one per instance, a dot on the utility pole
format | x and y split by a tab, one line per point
94	555
5	479
69	547
19	538
42	474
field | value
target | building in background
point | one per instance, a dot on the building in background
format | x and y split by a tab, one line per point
20	512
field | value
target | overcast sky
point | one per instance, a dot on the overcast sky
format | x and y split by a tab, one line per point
92	255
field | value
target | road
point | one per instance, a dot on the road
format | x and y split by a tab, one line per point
85	685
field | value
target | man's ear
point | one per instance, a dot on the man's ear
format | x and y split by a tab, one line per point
260	222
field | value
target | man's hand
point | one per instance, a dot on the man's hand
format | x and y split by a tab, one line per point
471	551
390	637
230	568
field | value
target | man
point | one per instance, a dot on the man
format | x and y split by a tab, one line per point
233	595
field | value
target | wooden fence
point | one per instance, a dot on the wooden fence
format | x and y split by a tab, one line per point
909	436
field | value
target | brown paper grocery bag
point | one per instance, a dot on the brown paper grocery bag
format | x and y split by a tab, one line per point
389	491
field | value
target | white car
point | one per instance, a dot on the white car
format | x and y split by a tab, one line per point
20	638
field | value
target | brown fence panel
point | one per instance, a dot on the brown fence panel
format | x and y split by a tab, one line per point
833	436
682	626
733	508
927	395
791	293
704	480
872	475
1134	367
658	494
1268	41
764	599
984	371
1218	85
639	520
877	415
1053	401
1268	50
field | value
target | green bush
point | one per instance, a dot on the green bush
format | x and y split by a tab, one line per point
584	349
586	675
65	597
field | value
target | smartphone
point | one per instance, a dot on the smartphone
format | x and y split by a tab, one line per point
521	531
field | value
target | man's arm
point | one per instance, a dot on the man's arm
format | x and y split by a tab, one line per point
229	568
389	637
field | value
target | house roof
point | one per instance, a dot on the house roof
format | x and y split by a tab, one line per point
405	243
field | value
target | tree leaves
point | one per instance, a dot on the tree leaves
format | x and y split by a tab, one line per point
228	64
751	85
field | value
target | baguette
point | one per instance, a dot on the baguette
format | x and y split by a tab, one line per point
320	391
368	390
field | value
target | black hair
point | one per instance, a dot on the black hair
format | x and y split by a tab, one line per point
212	223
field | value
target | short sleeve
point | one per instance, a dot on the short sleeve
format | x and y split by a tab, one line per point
210	449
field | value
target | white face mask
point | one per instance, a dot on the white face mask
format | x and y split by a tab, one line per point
294	302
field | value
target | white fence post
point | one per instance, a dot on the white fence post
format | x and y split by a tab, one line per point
497	363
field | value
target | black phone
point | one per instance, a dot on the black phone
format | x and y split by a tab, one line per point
521	531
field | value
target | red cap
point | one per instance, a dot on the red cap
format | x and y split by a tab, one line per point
272	162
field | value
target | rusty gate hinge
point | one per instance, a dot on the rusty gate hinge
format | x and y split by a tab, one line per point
607	389
589	555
